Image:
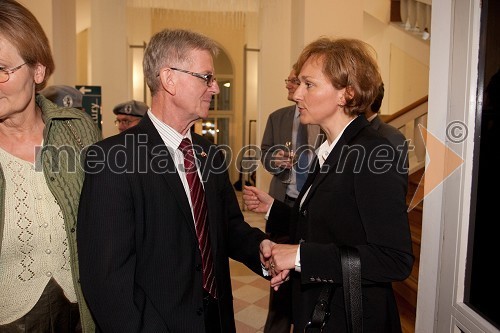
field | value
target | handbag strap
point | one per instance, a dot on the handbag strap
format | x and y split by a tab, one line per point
351	276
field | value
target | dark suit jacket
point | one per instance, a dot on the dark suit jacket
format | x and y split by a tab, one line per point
278	131
140	267
396	138
354	201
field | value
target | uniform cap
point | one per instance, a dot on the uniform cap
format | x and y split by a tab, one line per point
132	108
64	96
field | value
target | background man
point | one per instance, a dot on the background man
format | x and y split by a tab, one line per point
64	96
391	133
285	133
128	114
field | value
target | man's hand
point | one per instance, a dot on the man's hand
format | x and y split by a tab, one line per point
265	252
283	257
281	159
256	200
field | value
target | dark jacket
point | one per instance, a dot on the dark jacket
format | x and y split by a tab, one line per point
354	201
140	262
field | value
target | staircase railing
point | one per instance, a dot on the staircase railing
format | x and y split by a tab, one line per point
407	120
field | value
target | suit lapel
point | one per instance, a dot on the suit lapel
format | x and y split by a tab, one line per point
162	162
316	177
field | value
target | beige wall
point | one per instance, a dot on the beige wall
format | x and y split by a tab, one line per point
278	32
404	62
52	15
275	62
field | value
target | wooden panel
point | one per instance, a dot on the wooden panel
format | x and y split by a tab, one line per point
395	11
406	291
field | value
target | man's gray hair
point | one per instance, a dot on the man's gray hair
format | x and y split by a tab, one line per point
172	48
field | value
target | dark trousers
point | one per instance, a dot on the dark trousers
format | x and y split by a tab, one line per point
211	312
279	315
53	313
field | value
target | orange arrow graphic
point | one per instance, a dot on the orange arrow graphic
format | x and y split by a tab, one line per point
442	162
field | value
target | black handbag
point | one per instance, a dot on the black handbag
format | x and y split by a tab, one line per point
351	280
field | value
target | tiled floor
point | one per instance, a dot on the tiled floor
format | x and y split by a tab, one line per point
250	292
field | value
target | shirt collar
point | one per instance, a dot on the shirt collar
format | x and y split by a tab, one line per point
372	117
170	137
325	149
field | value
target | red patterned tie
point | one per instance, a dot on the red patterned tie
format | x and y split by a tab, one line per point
200	216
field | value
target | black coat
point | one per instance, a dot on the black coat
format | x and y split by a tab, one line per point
140	267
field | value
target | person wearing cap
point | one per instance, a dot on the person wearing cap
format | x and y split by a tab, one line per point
64	96
129	113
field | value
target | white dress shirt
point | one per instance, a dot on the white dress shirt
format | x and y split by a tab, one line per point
172	140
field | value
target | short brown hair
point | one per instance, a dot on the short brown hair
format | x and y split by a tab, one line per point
22	29
348	63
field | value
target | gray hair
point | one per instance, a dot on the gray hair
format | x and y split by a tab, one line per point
172	48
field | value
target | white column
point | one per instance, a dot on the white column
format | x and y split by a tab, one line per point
64	41
108	49
275	62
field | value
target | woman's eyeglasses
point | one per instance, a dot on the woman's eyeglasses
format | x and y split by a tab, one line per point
5	73
294	81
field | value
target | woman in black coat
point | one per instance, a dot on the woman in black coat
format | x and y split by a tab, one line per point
354	195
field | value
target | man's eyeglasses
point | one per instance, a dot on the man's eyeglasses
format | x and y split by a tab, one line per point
295	81
5	73
208	78
125	122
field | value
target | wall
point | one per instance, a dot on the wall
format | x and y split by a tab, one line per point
403	60
52	15
278	31
275	62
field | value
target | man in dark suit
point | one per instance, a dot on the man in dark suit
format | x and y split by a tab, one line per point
153	240
396	138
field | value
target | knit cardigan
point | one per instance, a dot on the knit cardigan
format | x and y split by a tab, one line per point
67	131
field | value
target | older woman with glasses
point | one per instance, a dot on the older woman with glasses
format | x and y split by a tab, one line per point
40	184
354	196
